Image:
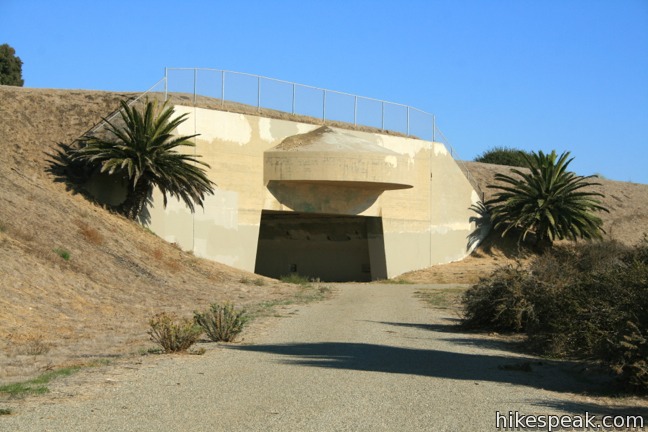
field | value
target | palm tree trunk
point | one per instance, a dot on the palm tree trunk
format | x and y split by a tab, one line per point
135	199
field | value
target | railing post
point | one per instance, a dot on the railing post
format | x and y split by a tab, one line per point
433	128
222	87
259	94
355	111
408	116
293	99
166	83
195	82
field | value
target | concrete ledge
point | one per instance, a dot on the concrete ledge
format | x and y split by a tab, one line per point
329	156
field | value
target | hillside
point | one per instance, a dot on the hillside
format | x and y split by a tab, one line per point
96	304
627	220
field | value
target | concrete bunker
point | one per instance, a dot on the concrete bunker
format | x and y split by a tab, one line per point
333	248
408	199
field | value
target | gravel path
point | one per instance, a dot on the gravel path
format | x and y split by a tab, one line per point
373	358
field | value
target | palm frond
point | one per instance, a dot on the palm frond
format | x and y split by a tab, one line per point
144	149
547	200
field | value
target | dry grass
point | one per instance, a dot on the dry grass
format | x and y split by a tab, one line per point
90	234
54	312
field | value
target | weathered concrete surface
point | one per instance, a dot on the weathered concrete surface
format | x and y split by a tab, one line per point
371	359
262	164
328	156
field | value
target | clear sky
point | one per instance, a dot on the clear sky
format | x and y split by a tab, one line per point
531	74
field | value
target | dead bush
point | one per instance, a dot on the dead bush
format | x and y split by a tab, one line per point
90	234
173	334
222	322
587	301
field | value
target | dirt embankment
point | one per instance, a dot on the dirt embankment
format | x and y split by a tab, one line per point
56	311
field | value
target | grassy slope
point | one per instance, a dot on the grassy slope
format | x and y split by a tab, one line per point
118	275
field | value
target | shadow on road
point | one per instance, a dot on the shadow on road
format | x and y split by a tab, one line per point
511	345
433	363
597	409
444	328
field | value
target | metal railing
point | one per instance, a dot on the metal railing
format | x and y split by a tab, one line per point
300	99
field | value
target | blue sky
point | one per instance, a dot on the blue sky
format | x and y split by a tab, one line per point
537	75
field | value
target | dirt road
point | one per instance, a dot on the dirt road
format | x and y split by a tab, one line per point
372	358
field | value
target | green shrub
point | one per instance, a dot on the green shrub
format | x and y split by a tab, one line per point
62	253
172	333
295	278
504	156
222	322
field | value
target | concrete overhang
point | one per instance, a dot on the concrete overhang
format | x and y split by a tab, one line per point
329	157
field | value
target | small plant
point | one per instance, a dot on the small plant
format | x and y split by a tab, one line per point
248	281
222	322
5	411
65	254
92	235
172	333
3	227
30	344
158	254
37	385
295	278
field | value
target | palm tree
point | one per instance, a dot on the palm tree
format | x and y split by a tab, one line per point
547	200
144	151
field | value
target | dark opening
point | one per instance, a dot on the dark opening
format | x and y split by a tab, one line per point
333	248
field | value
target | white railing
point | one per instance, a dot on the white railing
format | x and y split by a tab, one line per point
300	99
290	97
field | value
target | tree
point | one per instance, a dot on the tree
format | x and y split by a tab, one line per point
504	156
10	67
144	151
547	200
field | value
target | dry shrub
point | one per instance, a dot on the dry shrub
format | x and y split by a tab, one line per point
157	253
173	334
222	322
28	344
173	266
499	302
90	234
586	301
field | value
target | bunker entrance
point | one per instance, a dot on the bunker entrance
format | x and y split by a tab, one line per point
333	248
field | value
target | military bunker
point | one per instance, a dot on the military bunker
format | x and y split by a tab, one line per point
323	202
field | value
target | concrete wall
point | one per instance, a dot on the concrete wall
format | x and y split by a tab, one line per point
426	224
